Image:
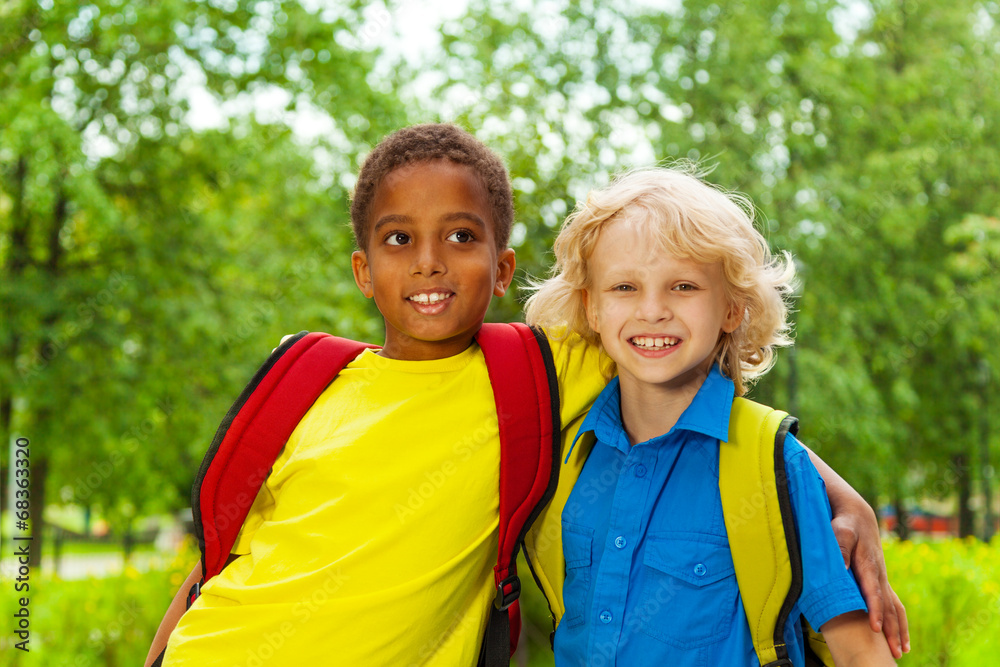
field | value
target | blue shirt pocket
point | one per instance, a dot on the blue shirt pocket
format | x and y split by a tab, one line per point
577	547
689	596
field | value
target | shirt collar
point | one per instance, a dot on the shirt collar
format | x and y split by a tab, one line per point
707	414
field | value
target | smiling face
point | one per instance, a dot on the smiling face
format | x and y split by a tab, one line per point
432	262
659	317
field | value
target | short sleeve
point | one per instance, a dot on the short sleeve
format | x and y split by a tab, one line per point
829	589
581	371
260	511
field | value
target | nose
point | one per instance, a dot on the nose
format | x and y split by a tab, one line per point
427	259
653	307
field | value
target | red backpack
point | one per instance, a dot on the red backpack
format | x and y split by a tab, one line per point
259	423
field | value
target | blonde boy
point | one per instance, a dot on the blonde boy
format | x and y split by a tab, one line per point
670	278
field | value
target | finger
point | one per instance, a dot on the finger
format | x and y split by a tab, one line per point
847	539
283	339
890	623
870	576
846	555
904	626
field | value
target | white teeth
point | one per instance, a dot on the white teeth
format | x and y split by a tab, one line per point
653	343
434	297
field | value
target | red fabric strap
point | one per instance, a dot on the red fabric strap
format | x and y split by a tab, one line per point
257	434
521	391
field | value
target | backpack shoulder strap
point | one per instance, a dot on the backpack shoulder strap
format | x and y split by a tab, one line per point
525	388
758	514
253	432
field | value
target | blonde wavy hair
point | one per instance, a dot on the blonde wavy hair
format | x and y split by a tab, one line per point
691	219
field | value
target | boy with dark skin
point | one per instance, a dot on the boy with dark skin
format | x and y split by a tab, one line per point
432	214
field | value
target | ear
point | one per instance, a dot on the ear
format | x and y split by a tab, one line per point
734	316
506	262
362	273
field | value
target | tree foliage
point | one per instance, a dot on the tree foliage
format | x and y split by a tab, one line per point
160	229
149	263
867	161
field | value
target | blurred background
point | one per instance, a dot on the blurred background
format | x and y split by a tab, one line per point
174	181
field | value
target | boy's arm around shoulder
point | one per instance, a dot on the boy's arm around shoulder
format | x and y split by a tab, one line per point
856	528
853	643
582	370
174	612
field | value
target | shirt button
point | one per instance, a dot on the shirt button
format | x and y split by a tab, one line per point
700	569
640	470
605	616
620	542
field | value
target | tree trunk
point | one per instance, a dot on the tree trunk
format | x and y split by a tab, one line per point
6	404
902	529
960	462
17	260
39	472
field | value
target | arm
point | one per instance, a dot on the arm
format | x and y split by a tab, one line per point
853	644
856	529
174	612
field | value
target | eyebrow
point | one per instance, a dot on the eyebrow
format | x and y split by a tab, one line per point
451	217
389	220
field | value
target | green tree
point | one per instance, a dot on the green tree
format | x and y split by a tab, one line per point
146	265
861	155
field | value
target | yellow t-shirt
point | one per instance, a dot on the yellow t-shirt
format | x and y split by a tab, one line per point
373	540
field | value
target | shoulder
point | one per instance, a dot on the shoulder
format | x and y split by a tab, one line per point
796	455
571	351
582	371
800	472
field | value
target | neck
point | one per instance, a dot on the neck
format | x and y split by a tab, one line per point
649	411
405	349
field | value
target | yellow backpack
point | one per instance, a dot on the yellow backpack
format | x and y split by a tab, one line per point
758	516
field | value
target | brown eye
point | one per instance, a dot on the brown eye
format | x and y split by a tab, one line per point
461	236
397	238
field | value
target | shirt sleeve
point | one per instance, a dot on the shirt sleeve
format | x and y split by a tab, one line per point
261	510
583	371
828	588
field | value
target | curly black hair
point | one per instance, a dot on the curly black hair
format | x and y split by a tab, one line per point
422	143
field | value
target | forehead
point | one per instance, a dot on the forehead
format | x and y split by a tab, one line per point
441	183
624	247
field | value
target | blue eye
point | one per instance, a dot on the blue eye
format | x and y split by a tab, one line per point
397	238
461	236
622	288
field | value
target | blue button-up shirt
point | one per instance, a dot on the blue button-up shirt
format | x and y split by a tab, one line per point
649	576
